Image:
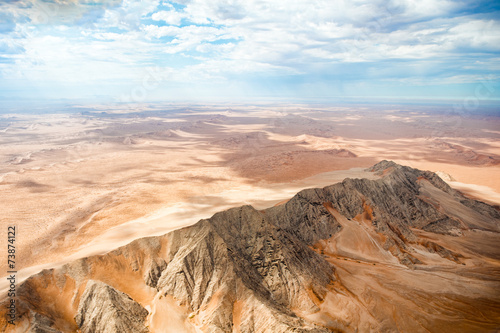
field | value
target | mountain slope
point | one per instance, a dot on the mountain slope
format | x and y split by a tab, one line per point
391	254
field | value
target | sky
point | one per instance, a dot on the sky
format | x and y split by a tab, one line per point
228	50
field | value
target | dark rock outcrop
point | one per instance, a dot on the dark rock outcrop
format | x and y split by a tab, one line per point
42	324
240	255
104	309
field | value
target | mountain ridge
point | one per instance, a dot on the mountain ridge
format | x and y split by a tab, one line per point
274	270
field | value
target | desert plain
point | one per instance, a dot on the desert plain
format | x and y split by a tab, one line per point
87	179
93	178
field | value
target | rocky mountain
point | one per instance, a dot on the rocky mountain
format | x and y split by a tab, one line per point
402	253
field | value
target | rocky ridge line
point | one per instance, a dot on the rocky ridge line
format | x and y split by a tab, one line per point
245	270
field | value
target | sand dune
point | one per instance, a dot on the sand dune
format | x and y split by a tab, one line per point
68	180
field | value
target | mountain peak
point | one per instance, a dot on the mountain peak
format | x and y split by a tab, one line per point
383	166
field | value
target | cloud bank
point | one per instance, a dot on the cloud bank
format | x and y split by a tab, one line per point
232	49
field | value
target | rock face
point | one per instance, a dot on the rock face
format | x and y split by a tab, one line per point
240	255
104	309
296	267
41	324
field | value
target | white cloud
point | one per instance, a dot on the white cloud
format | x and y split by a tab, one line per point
416	10
78	42
478	34
171	17
128	16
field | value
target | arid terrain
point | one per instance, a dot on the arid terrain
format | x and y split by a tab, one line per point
86	181
402	252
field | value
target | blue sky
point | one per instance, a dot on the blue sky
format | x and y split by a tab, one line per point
228	50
